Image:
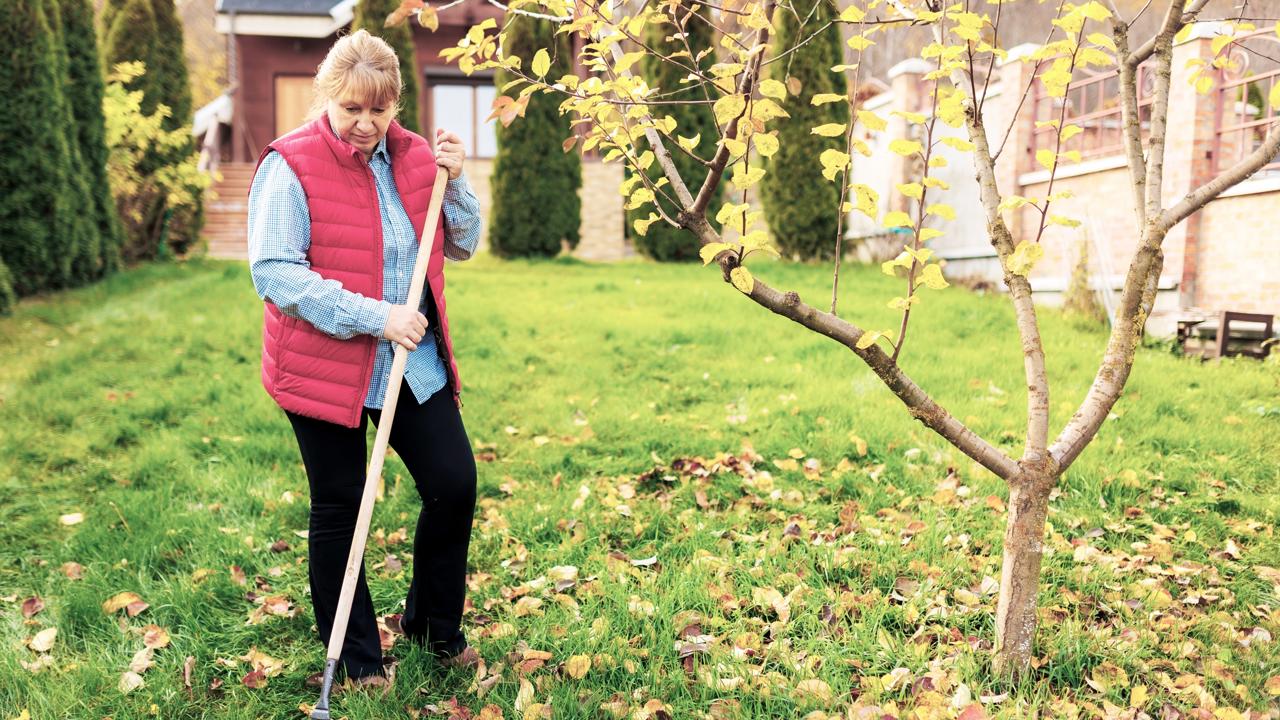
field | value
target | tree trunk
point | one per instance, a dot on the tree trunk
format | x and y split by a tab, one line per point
1020	577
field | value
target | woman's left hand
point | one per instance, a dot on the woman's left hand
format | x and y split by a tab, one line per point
449	152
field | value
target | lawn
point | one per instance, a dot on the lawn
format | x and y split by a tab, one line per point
689	508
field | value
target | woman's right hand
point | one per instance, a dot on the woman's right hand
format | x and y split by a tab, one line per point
405	326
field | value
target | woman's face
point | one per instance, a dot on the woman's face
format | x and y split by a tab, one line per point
360	123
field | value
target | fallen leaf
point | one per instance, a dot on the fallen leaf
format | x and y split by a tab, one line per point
31	606
141	660
127	600
43	640
154	636
813	690
237	575
130	681
71	518
577	666
973	711
73	570
254	679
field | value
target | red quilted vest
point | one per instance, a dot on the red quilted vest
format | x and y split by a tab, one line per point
304	370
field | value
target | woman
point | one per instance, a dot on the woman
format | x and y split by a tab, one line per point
336	211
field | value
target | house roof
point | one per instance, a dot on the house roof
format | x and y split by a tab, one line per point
278	7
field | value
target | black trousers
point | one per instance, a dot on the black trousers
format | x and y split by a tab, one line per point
433	444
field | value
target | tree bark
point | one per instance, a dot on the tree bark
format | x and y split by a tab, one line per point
1020	576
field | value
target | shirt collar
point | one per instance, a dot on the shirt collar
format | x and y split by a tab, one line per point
381	149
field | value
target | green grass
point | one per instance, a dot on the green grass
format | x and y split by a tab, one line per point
137	403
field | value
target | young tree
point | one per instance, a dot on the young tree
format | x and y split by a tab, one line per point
371	15
36	229
535	181
84	95
690	41
618	109
797	201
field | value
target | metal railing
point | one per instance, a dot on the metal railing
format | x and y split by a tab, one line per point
1243	111
1093	104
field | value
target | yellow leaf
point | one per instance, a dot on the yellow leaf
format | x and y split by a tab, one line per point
577	666
774	89
833	161
927	234
71	518
1272	685
942	210
859	42
743	180
897	218
689	143
766	144
824	98
828	130
852	14
541	62
813	691
729	107
730	213
24	715
932	277
1046	158
905	147
742	280
958	143
765	110
1071	131
1274	98
709	251
428	19
868	199
934	182
1204	83
639	197
1094	10
1102	41
642	226
1024	257
911	117
1138	696
130	681
870	338
871	120
737	148
911	190
119	600
43	640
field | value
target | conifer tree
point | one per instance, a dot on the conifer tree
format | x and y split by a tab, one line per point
662	241
534	182
798	201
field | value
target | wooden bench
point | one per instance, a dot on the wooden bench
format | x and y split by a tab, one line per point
1251	336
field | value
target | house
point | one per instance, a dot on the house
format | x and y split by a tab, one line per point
273	50
1222	258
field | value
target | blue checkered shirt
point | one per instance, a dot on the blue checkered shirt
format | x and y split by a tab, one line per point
280	235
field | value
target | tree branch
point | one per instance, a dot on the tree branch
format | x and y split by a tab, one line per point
1019	286
1202	195
918	402
1178	19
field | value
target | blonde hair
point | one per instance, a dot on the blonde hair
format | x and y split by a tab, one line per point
359	67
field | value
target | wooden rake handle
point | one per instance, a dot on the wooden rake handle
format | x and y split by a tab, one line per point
356	557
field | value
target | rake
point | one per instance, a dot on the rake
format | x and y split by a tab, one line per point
356	558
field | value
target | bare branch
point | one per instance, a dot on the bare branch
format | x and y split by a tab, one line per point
918	402
1202	195
1131	123
1172	19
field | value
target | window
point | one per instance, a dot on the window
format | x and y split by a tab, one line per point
462	108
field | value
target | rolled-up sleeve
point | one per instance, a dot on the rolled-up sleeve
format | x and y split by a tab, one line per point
461	211
279	237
